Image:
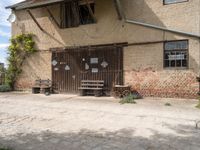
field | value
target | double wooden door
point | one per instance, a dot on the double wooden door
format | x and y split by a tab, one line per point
71	66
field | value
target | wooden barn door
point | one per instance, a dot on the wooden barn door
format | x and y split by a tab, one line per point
72	66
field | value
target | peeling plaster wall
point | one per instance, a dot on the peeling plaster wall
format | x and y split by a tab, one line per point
143	65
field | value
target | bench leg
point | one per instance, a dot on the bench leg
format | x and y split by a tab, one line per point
35	90
47	91
98	93
82	93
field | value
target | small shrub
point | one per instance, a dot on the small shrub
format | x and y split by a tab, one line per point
198	106
130	99
5	88
1	148
168	104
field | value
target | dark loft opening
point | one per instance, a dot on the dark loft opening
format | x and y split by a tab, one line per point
85	17
74	14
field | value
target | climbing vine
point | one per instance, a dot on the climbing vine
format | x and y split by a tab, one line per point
22	46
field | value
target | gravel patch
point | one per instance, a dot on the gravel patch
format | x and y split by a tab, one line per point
70	122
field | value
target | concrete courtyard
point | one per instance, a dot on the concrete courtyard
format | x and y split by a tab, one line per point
69	122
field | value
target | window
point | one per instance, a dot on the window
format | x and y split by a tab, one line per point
74	13
176	54
166	2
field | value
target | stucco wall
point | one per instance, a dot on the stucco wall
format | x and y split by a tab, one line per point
143	65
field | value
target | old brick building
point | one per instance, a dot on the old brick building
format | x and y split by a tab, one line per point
152	45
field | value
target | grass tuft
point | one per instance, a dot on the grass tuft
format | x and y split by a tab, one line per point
198	106
130	99
5	88
1	148
168	104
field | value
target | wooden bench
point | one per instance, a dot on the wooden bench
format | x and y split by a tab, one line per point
89	87
42	86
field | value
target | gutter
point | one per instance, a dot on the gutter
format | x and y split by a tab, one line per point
122	14
162	28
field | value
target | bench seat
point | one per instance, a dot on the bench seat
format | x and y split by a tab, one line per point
42	86
88	86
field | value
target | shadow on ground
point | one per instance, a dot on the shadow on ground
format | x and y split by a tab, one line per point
184	138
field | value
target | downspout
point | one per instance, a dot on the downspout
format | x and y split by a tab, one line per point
162	28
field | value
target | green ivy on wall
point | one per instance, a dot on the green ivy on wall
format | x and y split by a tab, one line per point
22	46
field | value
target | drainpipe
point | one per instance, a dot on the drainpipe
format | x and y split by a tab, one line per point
162	28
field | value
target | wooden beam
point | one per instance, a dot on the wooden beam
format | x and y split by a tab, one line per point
90	11
146	43
34	19
118	11
52	17
90	46
124	44
83	2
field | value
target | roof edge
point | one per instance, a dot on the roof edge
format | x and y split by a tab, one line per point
15	5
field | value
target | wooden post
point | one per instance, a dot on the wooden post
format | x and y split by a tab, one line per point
52	17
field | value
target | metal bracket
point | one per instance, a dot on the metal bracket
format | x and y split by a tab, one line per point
34	19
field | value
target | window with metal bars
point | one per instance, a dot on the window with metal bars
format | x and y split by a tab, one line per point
176	54
85	16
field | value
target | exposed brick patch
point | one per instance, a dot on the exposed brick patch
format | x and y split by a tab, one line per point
24	85
171	84
37	66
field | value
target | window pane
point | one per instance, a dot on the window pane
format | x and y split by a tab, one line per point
167	55
184	63
173	63
180	56
172	56
178	63
177	45
185	55
166	63
174	1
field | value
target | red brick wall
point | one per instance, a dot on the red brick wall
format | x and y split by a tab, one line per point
169	83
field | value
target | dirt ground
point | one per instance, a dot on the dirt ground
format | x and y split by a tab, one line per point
69	122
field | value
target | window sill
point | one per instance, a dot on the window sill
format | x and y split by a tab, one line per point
176	68
63	28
